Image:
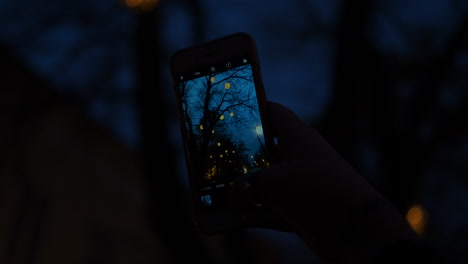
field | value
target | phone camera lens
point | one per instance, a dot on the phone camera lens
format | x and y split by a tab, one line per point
228	64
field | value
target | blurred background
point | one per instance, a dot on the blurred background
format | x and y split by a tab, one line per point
91	159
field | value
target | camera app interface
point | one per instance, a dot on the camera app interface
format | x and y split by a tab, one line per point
223	129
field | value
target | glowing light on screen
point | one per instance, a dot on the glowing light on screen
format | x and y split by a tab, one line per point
258	130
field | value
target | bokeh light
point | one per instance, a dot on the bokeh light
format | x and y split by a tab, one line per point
142	5
134	3
258	130
417	219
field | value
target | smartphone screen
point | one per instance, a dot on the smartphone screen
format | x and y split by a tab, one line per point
221	107
223	128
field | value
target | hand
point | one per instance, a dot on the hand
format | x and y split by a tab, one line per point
320	196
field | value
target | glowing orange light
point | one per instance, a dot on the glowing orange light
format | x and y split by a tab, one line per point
417	218
134	3
144	5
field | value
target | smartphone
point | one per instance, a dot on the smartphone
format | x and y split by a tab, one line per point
221	106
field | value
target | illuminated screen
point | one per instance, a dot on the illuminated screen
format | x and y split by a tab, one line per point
223	129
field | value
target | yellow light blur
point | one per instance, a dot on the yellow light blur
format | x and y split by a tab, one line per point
210	172
226	151
221	117
233	151
201	127
417	219
219	144
227	85
231	114
212	79
212	131
220	155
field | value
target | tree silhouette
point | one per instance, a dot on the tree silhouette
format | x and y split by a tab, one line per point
226	159
215	107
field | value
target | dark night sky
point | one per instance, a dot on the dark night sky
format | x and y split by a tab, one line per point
84	48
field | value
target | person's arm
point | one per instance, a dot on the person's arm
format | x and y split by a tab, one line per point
324	200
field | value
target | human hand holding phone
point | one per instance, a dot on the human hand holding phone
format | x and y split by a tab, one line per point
301	184
320	197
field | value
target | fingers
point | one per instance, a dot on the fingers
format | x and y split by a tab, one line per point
305	176
300	189
296	138
284	123
245	199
